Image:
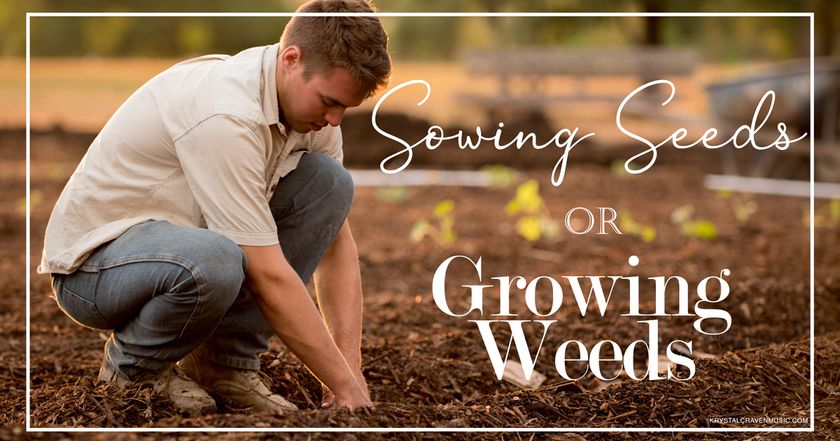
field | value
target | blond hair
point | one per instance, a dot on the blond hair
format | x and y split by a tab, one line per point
358	44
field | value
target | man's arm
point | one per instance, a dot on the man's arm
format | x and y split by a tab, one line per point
339	289
288	308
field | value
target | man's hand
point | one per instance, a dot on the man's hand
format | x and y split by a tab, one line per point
349	401
329	398
288	308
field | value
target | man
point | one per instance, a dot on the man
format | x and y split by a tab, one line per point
206	202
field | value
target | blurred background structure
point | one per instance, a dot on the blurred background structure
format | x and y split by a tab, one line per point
84	67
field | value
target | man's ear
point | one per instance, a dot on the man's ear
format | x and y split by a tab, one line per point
289	57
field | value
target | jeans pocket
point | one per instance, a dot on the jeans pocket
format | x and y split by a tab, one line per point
78	307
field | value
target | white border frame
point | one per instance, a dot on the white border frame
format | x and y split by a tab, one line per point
809	15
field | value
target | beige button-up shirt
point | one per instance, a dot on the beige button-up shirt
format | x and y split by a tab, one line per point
198	145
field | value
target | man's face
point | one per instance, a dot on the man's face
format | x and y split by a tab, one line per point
312	103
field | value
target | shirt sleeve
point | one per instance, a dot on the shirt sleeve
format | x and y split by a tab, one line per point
224	162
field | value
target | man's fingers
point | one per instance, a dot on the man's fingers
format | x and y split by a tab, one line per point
328	400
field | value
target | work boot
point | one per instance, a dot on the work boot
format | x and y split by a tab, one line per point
171	383
243	387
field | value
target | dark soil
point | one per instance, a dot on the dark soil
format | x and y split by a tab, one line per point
426	369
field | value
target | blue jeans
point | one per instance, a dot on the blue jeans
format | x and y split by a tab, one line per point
167	290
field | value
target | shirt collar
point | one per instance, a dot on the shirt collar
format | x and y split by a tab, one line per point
271	108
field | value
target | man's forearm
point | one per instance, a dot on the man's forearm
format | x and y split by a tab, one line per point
286	305
339	290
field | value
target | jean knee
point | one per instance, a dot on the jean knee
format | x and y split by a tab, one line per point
333	178
220	267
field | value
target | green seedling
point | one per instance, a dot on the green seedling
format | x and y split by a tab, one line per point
827	216
697	228
534	220
500	175
36	197
392	195
742	207
617	169
630	226
833	209
441	227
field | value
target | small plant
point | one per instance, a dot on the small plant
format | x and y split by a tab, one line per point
500	175
36	198
742	207
534	221
392	195
441	228
827	216
617	169
630	226
690	227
